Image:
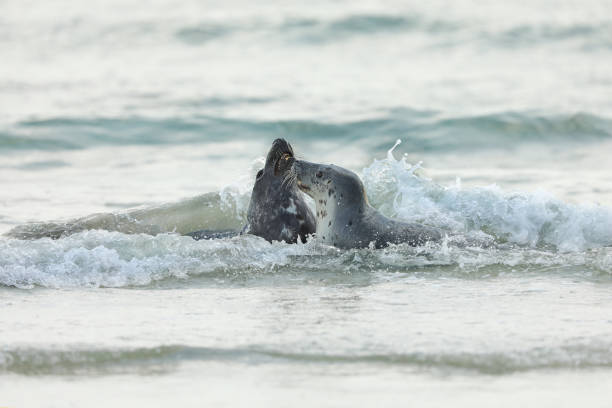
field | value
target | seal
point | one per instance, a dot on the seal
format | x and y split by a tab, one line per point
277	210
344	217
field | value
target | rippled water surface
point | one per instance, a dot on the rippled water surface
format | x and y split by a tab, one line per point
123	125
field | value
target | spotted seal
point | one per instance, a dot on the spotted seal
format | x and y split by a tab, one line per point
344	217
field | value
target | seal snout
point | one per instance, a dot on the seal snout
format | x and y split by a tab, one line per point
281	156
281	145
303	177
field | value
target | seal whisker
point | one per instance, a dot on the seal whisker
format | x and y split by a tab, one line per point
290	179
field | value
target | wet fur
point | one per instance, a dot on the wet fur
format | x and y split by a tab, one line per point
278	210
344	218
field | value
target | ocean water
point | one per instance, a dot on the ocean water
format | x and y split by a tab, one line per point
127	124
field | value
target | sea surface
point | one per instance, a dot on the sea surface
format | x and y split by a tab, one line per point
124	124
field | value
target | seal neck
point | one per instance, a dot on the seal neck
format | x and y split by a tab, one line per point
339	210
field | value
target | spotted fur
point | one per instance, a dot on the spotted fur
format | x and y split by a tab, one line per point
345	218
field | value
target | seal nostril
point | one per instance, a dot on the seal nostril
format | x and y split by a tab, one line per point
319	174
259	174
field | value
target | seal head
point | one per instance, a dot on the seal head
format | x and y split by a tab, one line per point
344	218
278	210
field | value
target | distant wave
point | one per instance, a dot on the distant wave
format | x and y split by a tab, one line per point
202	33
147	360
310	30
587	36
420	130
306	30
320	31
313	31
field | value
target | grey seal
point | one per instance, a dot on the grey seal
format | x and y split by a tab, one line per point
277	210
345	219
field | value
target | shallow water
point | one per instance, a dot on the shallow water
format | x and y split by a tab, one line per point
127	125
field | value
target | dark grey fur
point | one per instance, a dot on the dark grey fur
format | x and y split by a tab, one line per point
277	210
345	219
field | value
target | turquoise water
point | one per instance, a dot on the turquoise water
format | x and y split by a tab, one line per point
126	124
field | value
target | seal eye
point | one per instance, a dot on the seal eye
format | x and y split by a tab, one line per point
319	174
259	174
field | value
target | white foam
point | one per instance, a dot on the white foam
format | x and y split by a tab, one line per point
532	219
112	259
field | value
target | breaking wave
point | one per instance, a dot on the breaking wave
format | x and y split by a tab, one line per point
489	231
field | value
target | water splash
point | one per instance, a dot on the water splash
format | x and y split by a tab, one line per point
532	219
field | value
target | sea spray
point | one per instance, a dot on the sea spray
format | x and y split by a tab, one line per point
533	219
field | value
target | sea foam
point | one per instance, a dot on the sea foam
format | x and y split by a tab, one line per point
532	219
